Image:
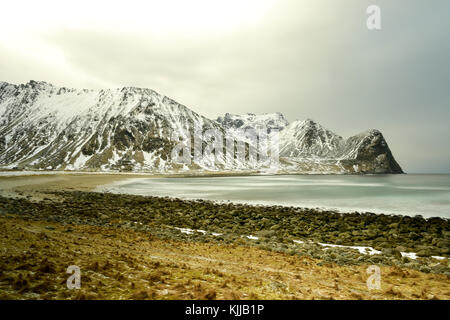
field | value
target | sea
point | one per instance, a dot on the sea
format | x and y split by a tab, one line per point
427	195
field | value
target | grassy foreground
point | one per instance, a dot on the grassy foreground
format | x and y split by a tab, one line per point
128	264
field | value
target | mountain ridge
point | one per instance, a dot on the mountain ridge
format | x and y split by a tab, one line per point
43	126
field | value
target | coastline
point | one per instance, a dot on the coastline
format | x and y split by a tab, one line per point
37	188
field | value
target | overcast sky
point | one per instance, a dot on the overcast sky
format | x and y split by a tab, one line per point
305	58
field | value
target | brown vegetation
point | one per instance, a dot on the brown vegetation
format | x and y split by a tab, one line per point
129	264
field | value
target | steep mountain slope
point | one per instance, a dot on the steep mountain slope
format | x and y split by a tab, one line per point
308	139
271	121
46	127
308	147
370	153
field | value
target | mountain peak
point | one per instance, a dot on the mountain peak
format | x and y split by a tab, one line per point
308	139
39	84
307	124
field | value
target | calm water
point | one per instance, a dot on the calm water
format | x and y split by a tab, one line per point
427	195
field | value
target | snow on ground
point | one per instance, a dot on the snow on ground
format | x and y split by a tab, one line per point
411	255
185	230
191	231
362	250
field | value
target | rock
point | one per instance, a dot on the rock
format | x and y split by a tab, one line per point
425	269
414	236
376	258
441	243
362	258
440	269
406	260
425	251
391	252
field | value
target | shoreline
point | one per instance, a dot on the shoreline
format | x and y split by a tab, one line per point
37	188
318	204
34	186
274	205
190	174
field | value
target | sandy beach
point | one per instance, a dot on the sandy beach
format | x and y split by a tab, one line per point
35	186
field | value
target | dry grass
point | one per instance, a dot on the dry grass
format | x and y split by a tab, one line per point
125	264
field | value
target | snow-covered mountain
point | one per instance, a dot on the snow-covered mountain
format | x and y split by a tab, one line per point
305	146
271	121
47	127
308	139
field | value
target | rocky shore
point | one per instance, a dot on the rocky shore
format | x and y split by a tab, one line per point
293	231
